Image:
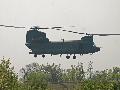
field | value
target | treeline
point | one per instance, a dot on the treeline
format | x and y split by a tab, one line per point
40	77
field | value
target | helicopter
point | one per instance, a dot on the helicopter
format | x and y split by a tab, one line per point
39	44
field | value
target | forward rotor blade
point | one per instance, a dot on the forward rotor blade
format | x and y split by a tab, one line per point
19	27
102	34
107	34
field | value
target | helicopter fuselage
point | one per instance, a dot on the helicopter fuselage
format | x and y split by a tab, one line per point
70	47
37	42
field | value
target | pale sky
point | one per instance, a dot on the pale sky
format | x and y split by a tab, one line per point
89	16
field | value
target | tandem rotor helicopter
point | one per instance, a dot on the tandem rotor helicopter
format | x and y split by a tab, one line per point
39	44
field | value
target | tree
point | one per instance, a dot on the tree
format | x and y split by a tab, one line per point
8	78
54	72
75	74
34	67
36	81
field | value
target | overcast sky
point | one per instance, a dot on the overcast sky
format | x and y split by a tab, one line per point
91	16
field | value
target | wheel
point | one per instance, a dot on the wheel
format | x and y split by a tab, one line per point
35	55
74	57
43	55
91	53
60	55
81	54
67	57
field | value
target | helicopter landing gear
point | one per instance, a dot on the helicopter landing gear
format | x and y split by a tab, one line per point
35	55
60	55
74	57
91	53
43	55
81	54
67	57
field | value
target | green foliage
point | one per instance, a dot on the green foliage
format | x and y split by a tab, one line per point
103	80
8	79
36	81
40	77
80	79
53	71
75	74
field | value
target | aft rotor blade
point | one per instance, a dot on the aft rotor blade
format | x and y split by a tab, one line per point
43	28
75	32
37	28
6	25
69	31
11	26
55	27
64	30
2	25
81	33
